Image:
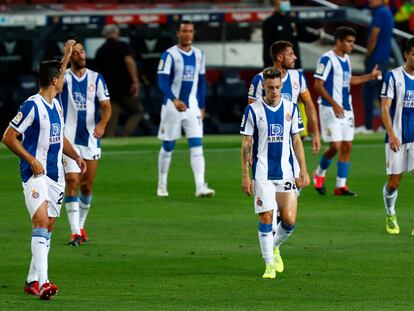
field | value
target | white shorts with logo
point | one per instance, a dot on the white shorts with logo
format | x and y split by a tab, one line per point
86	153
40	189
335	129
172	121
265	193
401	161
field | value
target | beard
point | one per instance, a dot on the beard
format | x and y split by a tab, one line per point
79	64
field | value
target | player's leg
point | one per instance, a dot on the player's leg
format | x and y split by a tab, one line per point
331	133
193	128
265	204
390	194
72	178
343	169
169	132
287	205
85	198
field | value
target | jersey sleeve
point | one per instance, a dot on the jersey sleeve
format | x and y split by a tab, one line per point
297	123
163	76
323	68
165	64
303	86
256	88
388	86
24	117
248	121
102	92
203	64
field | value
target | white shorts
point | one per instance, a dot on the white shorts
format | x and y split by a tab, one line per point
265	193
401	161
334	129
40	189
86	153
172	121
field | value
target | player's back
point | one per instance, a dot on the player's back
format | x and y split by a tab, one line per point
42	126
81	99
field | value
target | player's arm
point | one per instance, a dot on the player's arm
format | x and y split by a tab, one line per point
133	74
375	74
71	152
386	120
10	140
106	115
321	90
303	179
313	120
67	53
372	40
246	150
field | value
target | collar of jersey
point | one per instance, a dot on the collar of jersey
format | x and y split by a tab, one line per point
46	102
184	52
270	107
76	77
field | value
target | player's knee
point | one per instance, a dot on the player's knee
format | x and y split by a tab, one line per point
392	185
51	225
86	188
168	145
195	142
266	218
288	226
334	148
72	184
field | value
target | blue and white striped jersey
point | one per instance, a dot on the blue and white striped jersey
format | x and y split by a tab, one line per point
182	75
81	99
272	129
42	127
399	86
294	84
336	73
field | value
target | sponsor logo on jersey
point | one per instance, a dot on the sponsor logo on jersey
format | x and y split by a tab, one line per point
54	133
276	133
18	117
188	74
80	100
408	99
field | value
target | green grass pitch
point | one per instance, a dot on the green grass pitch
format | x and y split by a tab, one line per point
185	253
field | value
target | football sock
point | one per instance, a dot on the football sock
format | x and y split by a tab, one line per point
40	253
342	174
266	242
84	205
164	160
276	219
72	208
283	231
323	166
390	197
32	275
48	242
198	165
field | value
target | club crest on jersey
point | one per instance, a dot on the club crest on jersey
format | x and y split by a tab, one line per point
295	86
35	194
288	116
18	117
91	87
60	112
54	133
80	100
276	133
188	74
259	202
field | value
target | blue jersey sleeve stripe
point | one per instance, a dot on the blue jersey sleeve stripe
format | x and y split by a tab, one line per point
201	91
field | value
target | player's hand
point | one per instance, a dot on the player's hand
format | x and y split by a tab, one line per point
339	111
82	164
316	143
99	130
394	143
303	180
134	90
376	74
180	105
37	168
247	185
68	47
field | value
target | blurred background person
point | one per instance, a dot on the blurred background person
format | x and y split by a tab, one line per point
115	61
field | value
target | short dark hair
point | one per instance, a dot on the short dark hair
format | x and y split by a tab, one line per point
278	47
271	73
183	22
342	32
77	40
409	45
48	70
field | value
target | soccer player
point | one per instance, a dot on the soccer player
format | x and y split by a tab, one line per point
333	80
40	122
181	77
294	85
270	126
87	110
397	116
